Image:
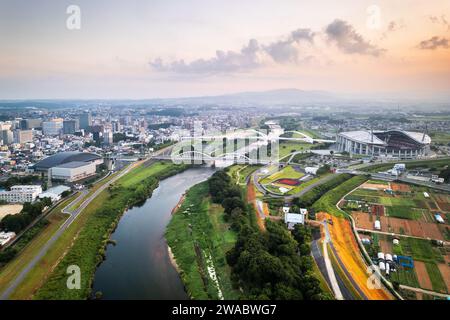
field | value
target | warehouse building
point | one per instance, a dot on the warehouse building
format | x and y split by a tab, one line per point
73	171
392	143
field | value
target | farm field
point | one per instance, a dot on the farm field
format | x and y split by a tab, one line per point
407	211
429	271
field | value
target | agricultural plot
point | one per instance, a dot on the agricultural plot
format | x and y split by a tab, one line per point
405	212
436	279
405	276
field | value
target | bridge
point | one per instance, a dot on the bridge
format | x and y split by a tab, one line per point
260	136
201	157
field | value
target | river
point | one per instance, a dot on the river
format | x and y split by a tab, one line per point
138	266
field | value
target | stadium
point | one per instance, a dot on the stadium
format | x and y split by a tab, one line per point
66	157
391	143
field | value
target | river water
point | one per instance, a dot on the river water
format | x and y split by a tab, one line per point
138	266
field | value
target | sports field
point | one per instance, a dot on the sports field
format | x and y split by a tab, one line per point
287	172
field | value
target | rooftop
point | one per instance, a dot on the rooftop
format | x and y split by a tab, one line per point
73	164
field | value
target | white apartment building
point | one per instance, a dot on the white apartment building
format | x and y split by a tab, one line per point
21	194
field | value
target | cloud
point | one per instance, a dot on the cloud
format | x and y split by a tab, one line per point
291	49
248	58
434	43
349	41
393	26
442	20
285	51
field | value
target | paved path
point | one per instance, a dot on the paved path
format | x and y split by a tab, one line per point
73	215
446	243
433	293
331	276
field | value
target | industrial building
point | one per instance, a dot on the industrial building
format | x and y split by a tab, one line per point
73	171
21	194
392	143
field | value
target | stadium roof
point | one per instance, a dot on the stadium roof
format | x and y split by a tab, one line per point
363	137
65	157
366	137
418	136
73	164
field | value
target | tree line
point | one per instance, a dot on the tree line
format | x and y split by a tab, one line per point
30	211
274	264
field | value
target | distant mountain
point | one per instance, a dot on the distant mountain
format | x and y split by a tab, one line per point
272	97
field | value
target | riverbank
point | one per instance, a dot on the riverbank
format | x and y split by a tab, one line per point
88	250
175	209
199	237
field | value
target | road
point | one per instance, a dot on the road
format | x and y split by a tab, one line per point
331	276
341	264
73	215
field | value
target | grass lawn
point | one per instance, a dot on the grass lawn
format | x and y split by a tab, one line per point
303	185
198	230
141	173
286	147
437	281
286	172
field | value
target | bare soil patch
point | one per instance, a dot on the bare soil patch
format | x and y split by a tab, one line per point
445	272
422	275
400	187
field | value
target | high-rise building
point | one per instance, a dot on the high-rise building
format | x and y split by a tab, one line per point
53	127
27	124
85	120
23	136
7	137
70	126
115	125
108	137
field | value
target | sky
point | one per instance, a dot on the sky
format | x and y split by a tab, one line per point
139	49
